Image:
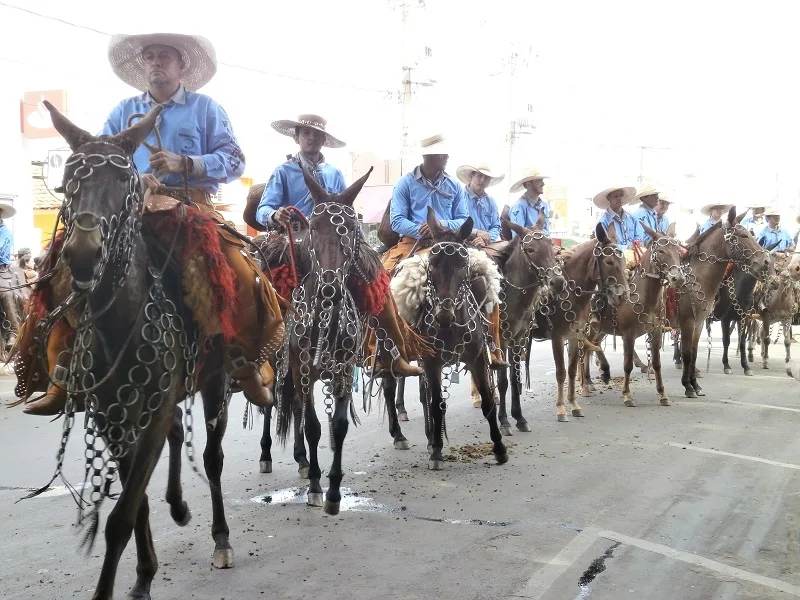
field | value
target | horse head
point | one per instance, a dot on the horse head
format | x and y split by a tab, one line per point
102	196
741	248
539	256
609	265
794	266
448	269
665	257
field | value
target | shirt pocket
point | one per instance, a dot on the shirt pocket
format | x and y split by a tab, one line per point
189	140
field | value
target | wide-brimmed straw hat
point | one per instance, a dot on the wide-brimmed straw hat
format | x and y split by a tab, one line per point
601	201
772	211
464	173
7	211
706	208
288	126
435	144
529	174
125	56
647	190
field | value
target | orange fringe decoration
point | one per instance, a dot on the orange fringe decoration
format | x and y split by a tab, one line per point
283	281
671	307
371	296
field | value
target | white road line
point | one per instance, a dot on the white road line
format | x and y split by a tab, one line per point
797	410
766	461
706	563
544	578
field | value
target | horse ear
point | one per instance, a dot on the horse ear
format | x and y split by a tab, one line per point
693	238
541	221
732	216
671	230
651	232
433	224
132	137
74	135
466	228
517	228
741	216
349	195
600	233
318	193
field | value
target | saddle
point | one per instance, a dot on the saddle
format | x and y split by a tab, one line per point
498	252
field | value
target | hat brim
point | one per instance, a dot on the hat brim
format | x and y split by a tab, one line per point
706	208
7	211
287	127
600	200
251	206
644	194
464	175
125	57
518	185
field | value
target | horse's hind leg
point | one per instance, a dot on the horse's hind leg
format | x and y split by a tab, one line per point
265	460
389	391
400	400
340	426
178	508
605	368
480	375
502	386
766	340
300	455
725	323
516	395
744	334
215	407
147	563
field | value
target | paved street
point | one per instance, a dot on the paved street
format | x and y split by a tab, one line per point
699	500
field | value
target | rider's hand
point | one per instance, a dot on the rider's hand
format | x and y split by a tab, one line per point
149	181
283	218
478	242
424	231
165	162
483	235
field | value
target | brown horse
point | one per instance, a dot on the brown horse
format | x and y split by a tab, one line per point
704	265
778	306
642	313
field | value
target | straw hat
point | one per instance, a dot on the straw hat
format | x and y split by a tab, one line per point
772	211
287	127
529	174
647	190
7	211
436	144
125	56
464	173
706	208
601	200
664	198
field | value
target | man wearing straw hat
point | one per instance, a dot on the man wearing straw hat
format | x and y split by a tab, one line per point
195	148
527	209
652	212
287	188
481	206
772	237
755	222
627	227
714	213
7	277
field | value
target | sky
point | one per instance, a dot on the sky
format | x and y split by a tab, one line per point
708	87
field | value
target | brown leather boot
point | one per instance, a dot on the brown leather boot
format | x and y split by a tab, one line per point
55	400
248	377
51	404
389	321
498	360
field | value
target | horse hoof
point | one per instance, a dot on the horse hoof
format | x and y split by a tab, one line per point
402	445
727	370
606	379
563	419
749	373
265	466
691	394
435	465
577	412
765	366
665	402
314	499
223	558
506	430
629	402
430	449
403	416
501	458
182	516
523	427
643	369
303	472
134	593
679	366
332	508
586	393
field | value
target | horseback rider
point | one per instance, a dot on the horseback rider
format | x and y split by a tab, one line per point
651	212
772	237
195	151
714	213
429	185
755	222
526	210
287	188
8	279
481	206
627	227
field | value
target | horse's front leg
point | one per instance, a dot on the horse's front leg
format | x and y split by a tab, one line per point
787	338
313	433
696	334
340	425
400	400
572	371
516	396
655	349
744	335
677	356
502	389
766	339
178	508
627	367
300	455
390	386
434	375
480	375
725	323
561	375
687	341
265	460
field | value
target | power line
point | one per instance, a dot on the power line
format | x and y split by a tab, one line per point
226	64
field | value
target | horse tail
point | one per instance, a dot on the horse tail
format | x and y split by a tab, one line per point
285	394
528	346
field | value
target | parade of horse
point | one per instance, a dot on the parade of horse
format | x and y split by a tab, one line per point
149	312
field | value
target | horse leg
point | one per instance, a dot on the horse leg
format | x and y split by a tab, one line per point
687	340
605	368
313	432
425	400
400	400
744	334
677	356
698	331
146	560
502	388
572	371
340	425
751	337
766	339
627	366
787	338
215	409
178	508
561	375
389	391
516	397
434	375
480	375
299	441
655	349
638	362
265	460
725	323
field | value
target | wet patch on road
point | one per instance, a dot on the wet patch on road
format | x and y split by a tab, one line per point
598	566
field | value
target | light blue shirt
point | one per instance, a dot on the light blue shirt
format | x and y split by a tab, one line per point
412	196
287	187
6	242
768	236
708	225
652	219
754	226
484	213
627	228
526	214
190	124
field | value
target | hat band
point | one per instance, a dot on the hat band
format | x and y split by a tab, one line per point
312	123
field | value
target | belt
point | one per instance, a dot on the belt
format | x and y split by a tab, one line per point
195	195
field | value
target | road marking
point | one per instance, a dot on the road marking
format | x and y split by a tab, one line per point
731	454
544	578
797	410
706	563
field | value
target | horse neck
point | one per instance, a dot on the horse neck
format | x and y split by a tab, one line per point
523	275
781	301
649	288
708	274
580	264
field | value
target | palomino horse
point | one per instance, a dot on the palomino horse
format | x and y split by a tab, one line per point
135	352
778	306
704	264
595	274
734	304
531	275
450	317
323	333
642	313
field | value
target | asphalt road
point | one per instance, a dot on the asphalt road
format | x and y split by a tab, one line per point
699	500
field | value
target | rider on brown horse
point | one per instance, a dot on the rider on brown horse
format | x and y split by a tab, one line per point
191	152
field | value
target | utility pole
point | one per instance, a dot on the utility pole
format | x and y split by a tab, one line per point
517	125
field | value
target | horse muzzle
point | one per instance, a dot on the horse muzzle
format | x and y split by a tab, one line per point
83	249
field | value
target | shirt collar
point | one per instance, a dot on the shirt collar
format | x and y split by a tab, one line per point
472	195
614	215
310	165
419	176
178	97
528	199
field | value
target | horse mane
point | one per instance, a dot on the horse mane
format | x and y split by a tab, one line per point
693	249
577	252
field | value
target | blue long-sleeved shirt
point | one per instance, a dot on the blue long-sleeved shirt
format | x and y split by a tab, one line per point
414	193
190	124
287	187
627	228
653	220
6	242
753	226
484	213
707	225
526	214
768	236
